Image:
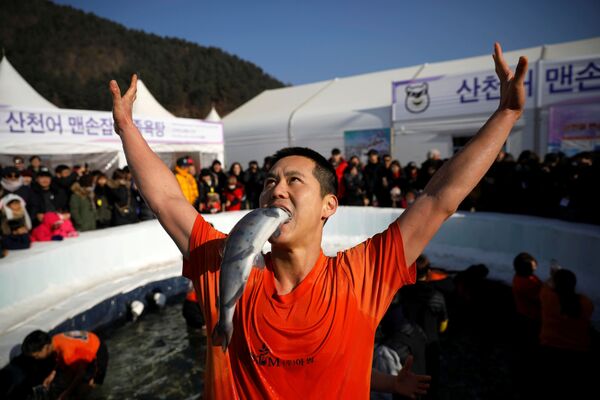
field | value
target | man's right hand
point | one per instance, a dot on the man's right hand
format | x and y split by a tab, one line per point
123	105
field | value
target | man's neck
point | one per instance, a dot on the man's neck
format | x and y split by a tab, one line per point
291	266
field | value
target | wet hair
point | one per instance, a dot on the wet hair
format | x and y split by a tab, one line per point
323	171
523	264
35	342
423	265
564	285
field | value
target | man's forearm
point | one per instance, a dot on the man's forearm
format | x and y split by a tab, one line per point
153	178
459	175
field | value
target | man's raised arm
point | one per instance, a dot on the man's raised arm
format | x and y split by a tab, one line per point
156	182
459	175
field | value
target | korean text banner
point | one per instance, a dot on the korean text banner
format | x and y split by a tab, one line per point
96	126
451	95
569	80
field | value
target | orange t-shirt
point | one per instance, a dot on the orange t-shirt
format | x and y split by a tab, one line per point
315	342
526	292
75	346
560	330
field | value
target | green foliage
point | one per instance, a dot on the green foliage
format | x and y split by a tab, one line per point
69	57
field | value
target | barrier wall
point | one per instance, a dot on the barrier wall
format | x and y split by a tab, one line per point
51	282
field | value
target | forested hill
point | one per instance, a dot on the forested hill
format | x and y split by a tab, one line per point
69	57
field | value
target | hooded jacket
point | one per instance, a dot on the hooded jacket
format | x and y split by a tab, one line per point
188	184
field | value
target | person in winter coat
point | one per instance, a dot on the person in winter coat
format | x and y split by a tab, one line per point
233	194
83	204
187	181
101	198
53	227
47	197
122	200
12	182
15	223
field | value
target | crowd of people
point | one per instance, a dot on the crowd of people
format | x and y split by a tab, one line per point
37	204
549	324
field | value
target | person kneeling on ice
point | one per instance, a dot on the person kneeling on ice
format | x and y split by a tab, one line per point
81	360
304	325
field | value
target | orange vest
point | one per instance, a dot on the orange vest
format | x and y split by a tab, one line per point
76	346
314	342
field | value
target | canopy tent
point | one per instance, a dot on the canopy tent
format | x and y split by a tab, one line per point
319	115
31	125
16	92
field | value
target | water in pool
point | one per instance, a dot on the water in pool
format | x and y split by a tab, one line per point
157	357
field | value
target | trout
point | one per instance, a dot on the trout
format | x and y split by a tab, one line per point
243	245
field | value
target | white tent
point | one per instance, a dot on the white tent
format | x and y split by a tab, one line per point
317	114
31	125
16	92
213	115
146	105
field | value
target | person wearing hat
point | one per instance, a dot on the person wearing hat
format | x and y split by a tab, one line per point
186	180
46	197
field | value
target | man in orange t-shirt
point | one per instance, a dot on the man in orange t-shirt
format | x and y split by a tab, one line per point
81	358
304	326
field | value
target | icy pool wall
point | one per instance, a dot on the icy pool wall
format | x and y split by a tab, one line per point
52	282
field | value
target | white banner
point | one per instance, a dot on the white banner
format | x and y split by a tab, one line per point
451	95
563	81
97	127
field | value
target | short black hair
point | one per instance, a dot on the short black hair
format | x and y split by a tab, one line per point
323	171
34	157
35	342
523	264
59	169
335	151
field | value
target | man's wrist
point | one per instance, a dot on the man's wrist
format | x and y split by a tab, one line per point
509	114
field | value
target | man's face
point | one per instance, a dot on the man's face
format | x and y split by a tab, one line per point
44	181
65	173
35	162
374	158
291	185
217	167
19	164
387	161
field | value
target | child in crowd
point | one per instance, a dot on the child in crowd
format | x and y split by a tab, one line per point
233	194
53	227
15	222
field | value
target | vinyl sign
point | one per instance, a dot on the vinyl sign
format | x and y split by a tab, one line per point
451	95
97	126
563	81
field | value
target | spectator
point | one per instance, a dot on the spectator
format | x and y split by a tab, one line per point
27	178
46	197
372	174
142	210
12	182
526	288
393	183
354	184
15	223
53	227
65	178
237	170
206	187
35	163
253	184
101	196
187	181
19	163
83	204
233	194
339	164
123	211
219	175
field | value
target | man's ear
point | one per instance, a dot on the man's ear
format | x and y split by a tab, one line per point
330	205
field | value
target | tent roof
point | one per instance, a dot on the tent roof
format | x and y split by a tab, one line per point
16	92
213	115
146	105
